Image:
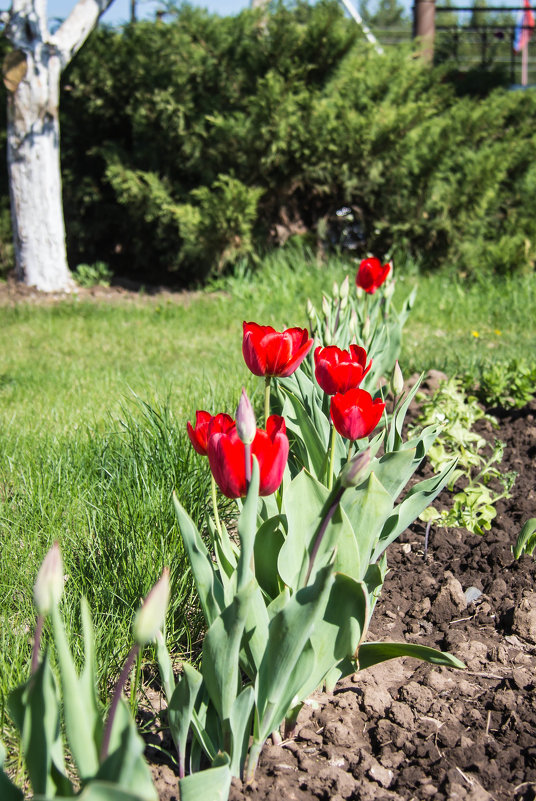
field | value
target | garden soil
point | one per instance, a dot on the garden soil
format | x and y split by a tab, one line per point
404	729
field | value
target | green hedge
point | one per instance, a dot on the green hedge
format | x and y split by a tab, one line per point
191	144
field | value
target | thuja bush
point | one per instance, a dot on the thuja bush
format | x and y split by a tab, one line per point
206	139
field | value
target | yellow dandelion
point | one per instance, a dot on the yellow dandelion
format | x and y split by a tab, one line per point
497	332
475	334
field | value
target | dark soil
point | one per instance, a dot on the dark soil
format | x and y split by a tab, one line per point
409	730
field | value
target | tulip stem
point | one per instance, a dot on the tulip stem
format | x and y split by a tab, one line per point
37	642
350	450
266	399
215	506
121	681
247	454
332	455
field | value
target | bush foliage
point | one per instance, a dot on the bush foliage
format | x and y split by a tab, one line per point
190	144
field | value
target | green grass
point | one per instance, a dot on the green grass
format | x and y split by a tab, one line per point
93	404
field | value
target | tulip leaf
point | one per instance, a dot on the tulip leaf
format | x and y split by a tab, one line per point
35	708
97	791
313	448
337	635
125	764
78	705
221	648
394	469
268	542
255	633
370	653
206	727
288	632
240	721
526	541
8	791
367	507
212	784
303	503
394	436
417	499
165	666
209	587
180	709
88	677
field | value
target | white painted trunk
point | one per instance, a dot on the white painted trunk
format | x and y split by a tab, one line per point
35	177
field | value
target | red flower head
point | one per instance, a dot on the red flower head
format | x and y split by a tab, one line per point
339	370
226	456
371	275
355	414
268	352
204	421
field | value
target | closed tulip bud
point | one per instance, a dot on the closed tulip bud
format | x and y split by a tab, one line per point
246	424
311	311
344	291
366	328
48	585
151	615
353	323
335	290
397	380
326	308
353	472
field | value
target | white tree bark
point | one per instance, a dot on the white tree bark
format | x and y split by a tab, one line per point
32	77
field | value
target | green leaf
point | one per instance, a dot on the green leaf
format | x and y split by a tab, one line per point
240	721
300	423
78	705
88	677
303	503
221	648
125	765
212	784
338	633
526	541
35	708
289	631
417	499
268	543
180	709
370	653
165	666
8	791
98	791
208	584
367	507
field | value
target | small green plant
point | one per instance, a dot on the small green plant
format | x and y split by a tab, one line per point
511	385
526	541
97	274
474	505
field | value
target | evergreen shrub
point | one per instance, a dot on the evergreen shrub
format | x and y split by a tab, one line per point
189	145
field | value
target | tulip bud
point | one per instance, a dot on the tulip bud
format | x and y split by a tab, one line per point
311	312
326	307
48	585
366	328
335	290
246	425
353	323
151	615
353	472
397	380
345	289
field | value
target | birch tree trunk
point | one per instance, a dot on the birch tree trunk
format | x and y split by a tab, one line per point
32	77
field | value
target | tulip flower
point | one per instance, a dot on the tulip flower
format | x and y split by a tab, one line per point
268	352
371	275
226	456
355	414
339	370
203	422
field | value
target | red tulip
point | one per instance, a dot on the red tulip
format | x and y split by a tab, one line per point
339	370
355	414
268	352
371	275
204	421
226	456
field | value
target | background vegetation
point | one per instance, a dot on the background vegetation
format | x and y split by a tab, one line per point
190	144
